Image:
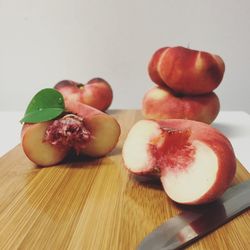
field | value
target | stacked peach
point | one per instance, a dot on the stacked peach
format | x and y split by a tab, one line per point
186	80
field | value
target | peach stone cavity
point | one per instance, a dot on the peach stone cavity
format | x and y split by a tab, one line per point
181	186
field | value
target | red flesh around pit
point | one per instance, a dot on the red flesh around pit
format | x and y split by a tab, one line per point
172	149
68	131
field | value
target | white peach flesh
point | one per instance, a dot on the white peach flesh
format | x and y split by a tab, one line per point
135	149
193	182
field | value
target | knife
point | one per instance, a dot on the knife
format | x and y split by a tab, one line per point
197	221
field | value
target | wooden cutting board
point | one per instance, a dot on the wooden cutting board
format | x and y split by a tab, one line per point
94	204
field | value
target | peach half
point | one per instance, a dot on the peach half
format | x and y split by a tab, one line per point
84	129
162	103
195	162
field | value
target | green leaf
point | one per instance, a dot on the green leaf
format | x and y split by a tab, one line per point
46	105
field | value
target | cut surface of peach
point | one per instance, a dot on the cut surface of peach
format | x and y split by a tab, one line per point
105	132
37	150
135	149
196	180
83	129
195	162
104	129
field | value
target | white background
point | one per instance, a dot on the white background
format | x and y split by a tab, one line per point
45	41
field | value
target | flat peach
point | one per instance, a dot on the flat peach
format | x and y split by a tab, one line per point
96	93
84	129
196	163
162	103
188	71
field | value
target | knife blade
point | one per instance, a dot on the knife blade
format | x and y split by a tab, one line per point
197	221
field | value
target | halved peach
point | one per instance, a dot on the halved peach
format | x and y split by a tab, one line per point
84	129
196	163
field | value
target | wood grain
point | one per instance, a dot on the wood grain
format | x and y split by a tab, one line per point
92	204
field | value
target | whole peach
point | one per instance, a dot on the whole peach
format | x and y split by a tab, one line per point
96	93
188	71
162	103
